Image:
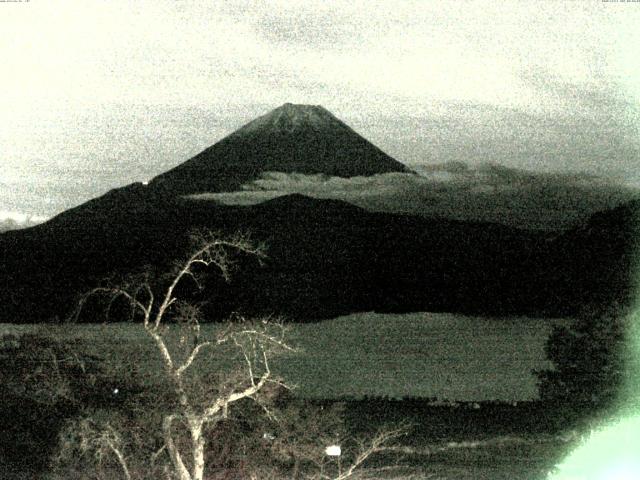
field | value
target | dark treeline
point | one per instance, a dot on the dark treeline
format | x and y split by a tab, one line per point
325	258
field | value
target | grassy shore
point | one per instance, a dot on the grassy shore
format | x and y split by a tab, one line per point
373	360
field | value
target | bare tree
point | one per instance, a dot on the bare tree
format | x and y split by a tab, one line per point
351	461
199	402
311	441
366	448
101	440
256	341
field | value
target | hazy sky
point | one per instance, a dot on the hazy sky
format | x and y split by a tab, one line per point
97	94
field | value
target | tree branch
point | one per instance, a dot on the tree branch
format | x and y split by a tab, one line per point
376	445
194	353
121	460
174	453
114	293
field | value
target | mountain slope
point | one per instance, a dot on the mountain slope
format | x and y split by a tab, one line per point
292	138
325	258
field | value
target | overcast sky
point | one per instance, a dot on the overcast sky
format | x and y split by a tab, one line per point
97	94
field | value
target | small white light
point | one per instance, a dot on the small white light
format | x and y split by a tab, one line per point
268	436
333	450
115	391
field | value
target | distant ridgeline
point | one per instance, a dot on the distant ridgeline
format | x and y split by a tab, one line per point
325	257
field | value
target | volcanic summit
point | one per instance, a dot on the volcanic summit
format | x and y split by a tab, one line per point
292	138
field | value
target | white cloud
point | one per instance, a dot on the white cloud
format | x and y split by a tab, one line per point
489	192
10	220
20	217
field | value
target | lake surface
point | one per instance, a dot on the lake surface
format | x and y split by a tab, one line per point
441	355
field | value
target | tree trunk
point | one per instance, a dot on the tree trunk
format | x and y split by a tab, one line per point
176	459
197	441
296	469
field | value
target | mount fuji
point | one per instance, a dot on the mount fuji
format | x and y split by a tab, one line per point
305	139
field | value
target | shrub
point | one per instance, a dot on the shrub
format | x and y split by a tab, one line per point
44	382
588	358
